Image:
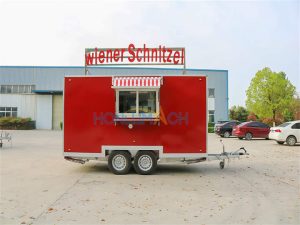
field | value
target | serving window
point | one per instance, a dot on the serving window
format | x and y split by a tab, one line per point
137	103
127	102
147	101
137	98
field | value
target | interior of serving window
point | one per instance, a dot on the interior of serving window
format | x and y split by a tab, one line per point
137	103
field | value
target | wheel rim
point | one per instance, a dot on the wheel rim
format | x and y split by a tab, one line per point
145	162
291	141
248	136
119	162
226	134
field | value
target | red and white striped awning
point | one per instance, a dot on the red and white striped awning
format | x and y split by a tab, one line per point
136	82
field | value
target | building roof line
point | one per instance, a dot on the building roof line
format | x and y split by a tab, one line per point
115	67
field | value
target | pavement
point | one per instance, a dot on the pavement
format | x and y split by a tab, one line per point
39	187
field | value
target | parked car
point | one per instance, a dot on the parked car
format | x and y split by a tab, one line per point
287	132
253	129
219	123
225	129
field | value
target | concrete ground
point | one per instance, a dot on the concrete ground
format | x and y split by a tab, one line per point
39	187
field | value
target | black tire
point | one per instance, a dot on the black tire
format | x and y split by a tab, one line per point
248	136
291	140
115	160
222	164
280	142
241	138
150	162
227	134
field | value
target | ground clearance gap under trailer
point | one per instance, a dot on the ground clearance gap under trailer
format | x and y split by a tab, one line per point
137	121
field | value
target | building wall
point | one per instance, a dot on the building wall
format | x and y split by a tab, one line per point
49	80
26	104
211	103
219	81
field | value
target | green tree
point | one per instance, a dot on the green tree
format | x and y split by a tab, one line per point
269	93
294	110
239	113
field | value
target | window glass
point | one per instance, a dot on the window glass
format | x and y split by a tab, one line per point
253	124
211	92
226	125
242	124
127	102
137	103
8	111
230	124
15	89
147	102
284	124
260	125
296	126
3	89
211	116
27	88
8	89
257	124
264	125
21	89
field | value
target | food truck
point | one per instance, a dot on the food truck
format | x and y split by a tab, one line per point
137	121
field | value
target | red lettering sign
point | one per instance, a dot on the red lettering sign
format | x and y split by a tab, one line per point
132	55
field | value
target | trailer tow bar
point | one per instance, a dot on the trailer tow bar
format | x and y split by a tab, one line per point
81	161
227	155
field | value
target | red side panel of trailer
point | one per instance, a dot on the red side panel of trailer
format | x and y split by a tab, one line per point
89	106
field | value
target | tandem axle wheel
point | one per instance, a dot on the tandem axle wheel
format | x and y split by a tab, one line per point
222	164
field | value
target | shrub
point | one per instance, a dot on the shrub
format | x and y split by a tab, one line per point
16	123
210	129
211	124
238	113
252	117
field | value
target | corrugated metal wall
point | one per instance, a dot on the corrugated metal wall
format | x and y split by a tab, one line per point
26	104
51	79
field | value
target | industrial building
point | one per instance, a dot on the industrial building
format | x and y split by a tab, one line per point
37	91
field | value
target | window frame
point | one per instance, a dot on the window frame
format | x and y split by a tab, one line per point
9	110
296	126
211	114
16	89
214	93
137	114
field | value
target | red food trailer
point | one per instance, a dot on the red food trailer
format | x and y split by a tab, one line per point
137	121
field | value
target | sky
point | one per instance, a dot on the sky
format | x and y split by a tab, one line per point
239	36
